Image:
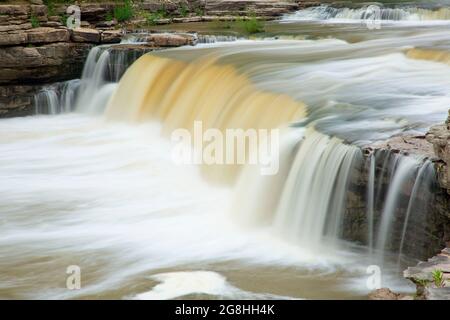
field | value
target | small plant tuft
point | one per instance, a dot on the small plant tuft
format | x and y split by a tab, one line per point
63	19
109	16
251	25
199	12
184	11
438	278
34	21
152	18
124	12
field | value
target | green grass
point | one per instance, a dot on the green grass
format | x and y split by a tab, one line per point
34	21
222	25
184	11
152	18
63	19
124	12
199	12
109	16
251	25
438	278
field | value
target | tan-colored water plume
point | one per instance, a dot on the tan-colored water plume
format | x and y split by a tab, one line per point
177	93
442	56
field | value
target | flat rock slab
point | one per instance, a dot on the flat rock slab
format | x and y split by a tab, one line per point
47	35
85	35
407	145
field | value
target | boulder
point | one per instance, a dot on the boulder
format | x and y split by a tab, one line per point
85	35
47	35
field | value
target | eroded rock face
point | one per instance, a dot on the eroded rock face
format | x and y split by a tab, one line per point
439	137
43	64
427	232
17	100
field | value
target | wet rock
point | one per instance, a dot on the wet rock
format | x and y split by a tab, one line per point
407	145
85	35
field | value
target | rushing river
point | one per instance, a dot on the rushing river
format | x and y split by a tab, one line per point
96	187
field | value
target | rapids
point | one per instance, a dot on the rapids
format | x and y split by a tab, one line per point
89	180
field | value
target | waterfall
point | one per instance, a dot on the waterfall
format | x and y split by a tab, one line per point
312	193
307	201
398	191
57	98
326	12
104	67
401	176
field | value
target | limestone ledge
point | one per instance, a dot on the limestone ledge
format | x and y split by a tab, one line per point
428	286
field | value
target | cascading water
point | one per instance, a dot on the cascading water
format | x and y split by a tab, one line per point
104	67
372	12
57	98
117	206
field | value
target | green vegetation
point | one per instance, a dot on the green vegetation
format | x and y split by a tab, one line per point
34	21
63	19
199	12
50	8
184	11
124	12
221	25
438	278
109	16
153	17
251	25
